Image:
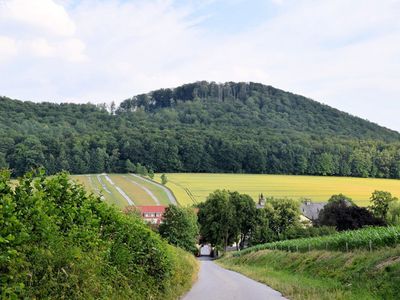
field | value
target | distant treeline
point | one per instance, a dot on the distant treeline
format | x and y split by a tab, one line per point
199	127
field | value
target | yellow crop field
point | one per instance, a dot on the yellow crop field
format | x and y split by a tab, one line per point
189	188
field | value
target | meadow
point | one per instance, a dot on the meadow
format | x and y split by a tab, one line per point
191	188
122	190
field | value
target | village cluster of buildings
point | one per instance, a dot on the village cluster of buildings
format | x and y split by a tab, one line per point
309	210
153	214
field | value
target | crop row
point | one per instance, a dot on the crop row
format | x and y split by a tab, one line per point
367	238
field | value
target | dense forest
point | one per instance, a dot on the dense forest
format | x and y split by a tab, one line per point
198	127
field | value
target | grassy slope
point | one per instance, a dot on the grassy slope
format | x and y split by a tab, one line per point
134	192
124	181
184	275
93	185
317	188
158	192
324	274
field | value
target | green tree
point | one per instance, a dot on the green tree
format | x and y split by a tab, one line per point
164	179
180	228
281	214
3	161
130	167
341	198
393	214
343	216
216	219
380	201
244	210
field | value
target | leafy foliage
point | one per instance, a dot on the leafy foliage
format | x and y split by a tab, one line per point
380	203
216	219
56	241
343	215
198	127
180	227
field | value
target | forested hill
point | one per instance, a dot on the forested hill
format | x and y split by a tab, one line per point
199	127
255	105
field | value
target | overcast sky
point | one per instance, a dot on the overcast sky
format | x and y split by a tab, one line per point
345	53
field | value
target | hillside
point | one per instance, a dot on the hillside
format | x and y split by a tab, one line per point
255	105
198	127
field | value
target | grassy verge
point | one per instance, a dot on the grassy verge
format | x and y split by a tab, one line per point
184	275
324	274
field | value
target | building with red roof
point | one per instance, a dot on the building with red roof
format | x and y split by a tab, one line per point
152	214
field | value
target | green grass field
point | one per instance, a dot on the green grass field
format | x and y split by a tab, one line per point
189	188
122	190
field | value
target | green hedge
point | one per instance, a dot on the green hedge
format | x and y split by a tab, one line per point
56	241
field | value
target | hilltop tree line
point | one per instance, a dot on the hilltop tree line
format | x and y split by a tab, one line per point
200	127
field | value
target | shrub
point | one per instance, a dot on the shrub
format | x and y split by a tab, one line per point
56	241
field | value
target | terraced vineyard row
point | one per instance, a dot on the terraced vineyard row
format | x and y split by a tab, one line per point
366	238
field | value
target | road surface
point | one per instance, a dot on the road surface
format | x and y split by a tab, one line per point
217	283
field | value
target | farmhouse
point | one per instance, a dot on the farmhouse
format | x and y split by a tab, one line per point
152	214
311	210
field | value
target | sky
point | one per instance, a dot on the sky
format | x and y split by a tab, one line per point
339	52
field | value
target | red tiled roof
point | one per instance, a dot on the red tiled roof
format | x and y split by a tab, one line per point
152	209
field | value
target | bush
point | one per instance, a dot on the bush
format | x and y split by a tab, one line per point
56	241
305	232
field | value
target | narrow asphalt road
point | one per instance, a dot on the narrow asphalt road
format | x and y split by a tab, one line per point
217	283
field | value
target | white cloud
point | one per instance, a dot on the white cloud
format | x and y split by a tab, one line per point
40	29
41	47
8	48
43	15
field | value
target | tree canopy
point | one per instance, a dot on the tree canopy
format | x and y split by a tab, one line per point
198	127
180	228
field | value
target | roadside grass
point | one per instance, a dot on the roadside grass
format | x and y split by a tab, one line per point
323	274
188	187
184	275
